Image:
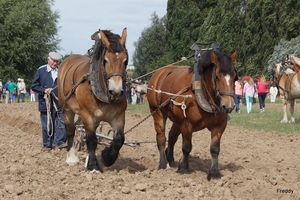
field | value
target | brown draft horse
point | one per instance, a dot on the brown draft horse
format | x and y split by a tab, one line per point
171	95
94	89
287	79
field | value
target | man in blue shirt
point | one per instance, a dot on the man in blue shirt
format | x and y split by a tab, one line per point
6	92
45	85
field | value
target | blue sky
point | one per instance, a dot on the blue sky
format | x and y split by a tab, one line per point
79	19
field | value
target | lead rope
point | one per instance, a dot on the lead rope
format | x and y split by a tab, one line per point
49	118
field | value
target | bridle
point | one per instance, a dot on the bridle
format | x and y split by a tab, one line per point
217	91
107	76
285	65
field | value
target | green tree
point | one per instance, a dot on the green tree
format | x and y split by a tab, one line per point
252	27
184	17
28	32
283	48
150	47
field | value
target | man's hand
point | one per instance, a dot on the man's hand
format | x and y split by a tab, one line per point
47	90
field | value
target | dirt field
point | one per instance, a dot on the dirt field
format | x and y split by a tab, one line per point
254	165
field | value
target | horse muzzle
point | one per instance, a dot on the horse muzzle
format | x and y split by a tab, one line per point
115	89
227	104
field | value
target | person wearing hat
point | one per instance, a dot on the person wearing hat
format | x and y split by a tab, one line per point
21	90
44	84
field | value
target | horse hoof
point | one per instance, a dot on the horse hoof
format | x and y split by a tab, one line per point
72	161
172	164
183	171
72	157
215	175
106	159
92	166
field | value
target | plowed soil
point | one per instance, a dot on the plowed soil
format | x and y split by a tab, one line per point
254	165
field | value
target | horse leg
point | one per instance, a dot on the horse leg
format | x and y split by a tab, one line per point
110	154
284	102
214	171
72	155
91	162
183	165
90	127
159	125
173	136
292	106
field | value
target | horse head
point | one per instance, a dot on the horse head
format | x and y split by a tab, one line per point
220	69
295	62
277	68
112	58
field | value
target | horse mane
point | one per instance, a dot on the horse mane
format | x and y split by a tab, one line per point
296	59
206	62
115	45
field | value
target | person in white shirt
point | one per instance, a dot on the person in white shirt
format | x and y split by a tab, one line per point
273	93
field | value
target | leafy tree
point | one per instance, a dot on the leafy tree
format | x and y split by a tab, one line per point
150	47
282	49
183	20
28	31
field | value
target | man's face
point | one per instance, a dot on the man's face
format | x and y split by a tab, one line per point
52	63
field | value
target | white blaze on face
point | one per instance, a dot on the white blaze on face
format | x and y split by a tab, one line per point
227	78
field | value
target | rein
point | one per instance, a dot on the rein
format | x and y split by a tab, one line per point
49	118
47	98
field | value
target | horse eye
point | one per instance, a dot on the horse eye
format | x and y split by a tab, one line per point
217	78
104	62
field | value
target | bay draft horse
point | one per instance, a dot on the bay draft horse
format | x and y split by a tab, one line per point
287	79
94	89
172	96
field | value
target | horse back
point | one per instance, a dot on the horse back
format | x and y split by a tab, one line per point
169	79
70	71
289	85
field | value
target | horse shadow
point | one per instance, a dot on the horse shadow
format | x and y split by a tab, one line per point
126	164
203	165
195	164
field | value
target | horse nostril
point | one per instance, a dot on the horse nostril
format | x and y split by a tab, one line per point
115	94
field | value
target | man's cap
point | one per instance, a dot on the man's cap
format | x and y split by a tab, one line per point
55	56
19	79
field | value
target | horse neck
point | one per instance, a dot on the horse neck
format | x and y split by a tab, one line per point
295	66
208	85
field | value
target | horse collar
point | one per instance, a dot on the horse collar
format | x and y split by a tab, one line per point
198	91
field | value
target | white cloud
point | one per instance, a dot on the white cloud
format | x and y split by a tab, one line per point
80	19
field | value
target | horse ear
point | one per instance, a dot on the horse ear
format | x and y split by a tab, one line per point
95	36
214	58
124	35
287	57
104	39
233	57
